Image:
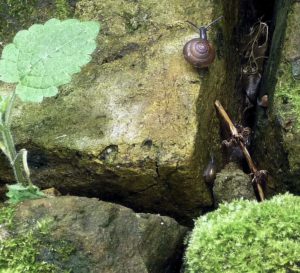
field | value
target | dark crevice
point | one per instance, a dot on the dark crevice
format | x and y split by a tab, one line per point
157	169
147	188
275	157
126	50
261	120
250	13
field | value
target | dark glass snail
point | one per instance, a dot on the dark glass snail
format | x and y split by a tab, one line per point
210	172
198	51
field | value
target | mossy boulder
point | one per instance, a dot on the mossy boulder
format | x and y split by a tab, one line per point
246	236
76	234
137	126
277	145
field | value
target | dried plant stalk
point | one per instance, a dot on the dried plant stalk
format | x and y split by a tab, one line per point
257	175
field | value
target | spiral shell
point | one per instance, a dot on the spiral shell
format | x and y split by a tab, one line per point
199	52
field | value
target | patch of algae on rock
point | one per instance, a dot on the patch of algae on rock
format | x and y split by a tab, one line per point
13	14
19	14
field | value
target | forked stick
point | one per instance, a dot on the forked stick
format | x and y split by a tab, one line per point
258	176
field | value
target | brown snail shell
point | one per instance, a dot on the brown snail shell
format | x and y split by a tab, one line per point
198	52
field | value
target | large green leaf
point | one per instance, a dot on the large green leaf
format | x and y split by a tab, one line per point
45	56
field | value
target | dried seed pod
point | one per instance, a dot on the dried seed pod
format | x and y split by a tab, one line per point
263	102
250	85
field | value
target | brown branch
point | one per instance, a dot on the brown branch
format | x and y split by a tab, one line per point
258	176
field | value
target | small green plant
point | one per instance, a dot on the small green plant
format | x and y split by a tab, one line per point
39	60
246	236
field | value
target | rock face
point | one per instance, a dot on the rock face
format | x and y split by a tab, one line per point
138	124
232	183
112	238
277	138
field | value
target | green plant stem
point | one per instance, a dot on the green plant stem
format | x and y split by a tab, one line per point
7	117
10	149
12	156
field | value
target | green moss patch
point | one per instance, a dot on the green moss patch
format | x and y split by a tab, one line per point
30	249
246	236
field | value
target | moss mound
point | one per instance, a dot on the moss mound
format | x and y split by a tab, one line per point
245	236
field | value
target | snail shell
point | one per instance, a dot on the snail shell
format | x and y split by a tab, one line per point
199	52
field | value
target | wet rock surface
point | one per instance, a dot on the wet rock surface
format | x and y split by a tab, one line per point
106	237
232	183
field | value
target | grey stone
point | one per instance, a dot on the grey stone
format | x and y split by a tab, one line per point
232	183
113	238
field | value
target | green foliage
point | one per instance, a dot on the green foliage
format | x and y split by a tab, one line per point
6	216
245	236
17	193
21	251
45	56
10	270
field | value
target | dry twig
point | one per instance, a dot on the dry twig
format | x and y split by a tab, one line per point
258	176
